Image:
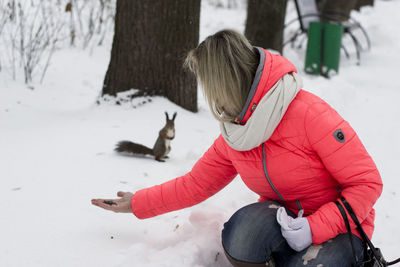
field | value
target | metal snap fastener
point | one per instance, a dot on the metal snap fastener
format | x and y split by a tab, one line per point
253	107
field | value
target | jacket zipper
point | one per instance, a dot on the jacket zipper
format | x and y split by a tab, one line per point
299	205
267	175
301	211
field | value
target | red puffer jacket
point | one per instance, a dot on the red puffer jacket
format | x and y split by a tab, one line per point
311	156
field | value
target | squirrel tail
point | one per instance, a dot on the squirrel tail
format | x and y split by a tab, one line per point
130	147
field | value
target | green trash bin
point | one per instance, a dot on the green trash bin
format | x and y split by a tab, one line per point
323	48
314	48
332	43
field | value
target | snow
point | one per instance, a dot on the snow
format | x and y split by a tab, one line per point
57	153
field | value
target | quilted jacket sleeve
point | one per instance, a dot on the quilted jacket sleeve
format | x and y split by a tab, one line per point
345	157
209	175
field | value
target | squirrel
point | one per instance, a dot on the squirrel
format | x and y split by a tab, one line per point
161	147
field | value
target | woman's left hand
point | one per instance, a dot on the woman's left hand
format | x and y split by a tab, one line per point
122	204
296	231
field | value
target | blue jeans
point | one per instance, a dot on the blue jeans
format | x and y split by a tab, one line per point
253	236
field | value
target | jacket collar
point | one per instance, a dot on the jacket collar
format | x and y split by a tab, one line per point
271	68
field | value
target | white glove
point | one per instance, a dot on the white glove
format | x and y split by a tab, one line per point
296	231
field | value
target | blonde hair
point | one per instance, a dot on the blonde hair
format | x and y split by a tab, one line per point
224	64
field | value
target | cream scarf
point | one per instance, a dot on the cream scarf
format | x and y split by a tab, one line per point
265	117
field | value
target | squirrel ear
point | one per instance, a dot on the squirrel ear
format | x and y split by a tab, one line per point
174	116
166	115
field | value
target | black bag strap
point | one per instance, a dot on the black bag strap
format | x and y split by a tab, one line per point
357	222
346	221
364	236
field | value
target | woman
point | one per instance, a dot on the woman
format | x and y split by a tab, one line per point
288	146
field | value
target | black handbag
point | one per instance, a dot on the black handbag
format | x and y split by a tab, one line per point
372	256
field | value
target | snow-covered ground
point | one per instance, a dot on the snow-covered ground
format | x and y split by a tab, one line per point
56	153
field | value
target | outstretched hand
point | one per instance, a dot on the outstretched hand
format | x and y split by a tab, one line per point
122	204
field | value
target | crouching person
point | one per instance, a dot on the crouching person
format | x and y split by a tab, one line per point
289	146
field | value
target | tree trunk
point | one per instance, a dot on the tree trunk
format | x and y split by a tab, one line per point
338	10
361	3
151	40
265	23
